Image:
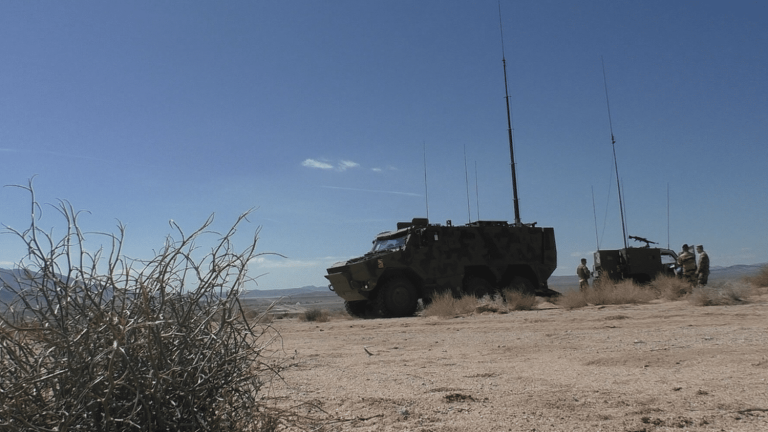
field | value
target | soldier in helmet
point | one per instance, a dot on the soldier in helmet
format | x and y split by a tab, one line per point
687	264
702	273
584	274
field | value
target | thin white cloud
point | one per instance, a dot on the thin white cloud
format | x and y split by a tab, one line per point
345	164
387	168
311	163
263	262
341	165
375	191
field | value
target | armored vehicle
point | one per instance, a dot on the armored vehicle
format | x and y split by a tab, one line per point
641	264
420	259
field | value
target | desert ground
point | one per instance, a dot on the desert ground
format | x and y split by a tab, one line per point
666	365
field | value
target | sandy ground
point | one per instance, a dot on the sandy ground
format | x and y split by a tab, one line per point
654	367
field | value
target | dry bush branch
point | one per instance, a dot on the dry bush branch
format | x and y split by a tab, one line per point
95	341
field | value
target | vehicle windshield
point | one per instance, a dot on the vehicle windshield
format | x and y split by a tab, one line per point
668	258
388	243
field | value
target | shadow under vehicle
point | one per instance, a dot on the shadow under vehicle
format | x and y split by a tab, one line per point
419	260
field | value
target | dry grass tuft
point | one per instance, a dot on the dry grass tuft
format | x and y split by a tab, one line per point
493	304
517	300
671	287
445	305
315	315
759	280
607	293
573	299
622	292
726	294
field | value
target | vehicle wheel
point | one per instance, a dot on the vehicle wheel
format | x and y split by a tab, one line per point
478	287
398	298
356	308
522	284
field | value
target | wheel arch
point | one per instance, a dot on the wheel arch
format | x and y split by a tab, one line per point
417	282
479	271
516	270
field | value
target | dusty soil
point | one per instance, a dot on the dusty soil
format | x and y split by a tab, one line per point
654	367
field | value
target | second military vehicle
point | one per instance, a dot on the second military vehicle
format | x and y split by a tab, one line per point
640	264
420	259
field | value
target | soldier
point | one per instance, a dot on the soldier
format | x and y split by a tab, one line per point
702	273
584	274
687	264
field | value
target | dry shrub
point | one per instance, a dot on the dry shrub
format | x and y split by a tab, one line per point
445	305
94	341
728	293
607	292
573	299
315	315
761	279
622	292
671	287
517	300
493	304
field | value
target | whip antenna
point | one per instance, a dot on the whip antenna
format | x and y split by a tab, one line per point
466	180
615	164
594	211
477	193
426	189
509	127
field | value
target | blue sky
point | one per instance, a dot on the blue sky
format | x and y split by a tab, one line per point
318	115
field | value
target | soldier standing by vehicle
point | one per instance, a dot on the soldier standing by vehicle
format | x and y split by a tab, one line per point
687	264
584	274
702	273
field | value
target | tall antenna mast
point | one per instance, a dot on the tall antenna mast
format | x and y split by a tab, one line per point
477	193
466	180
509	127
426	190
667	215
615	163
594	211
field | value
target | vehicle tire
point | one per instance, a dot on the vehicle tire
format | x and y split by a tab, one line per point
522	284
478	287
356	308
398	298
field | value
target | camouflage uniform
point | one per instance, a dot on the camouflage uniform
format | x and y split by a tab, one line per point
703	271
687	263
584	274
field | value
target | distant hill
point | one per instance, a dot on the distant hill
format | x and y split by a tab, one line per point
309	289
557	283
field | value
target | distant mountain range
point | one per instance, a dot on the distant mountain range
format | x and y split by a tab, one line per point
557	283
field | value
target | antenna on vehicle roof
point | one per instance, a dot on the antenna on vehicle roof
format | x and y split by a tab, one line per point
667	215
615	163
597	238
509	127
426	189
466	180
477	193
